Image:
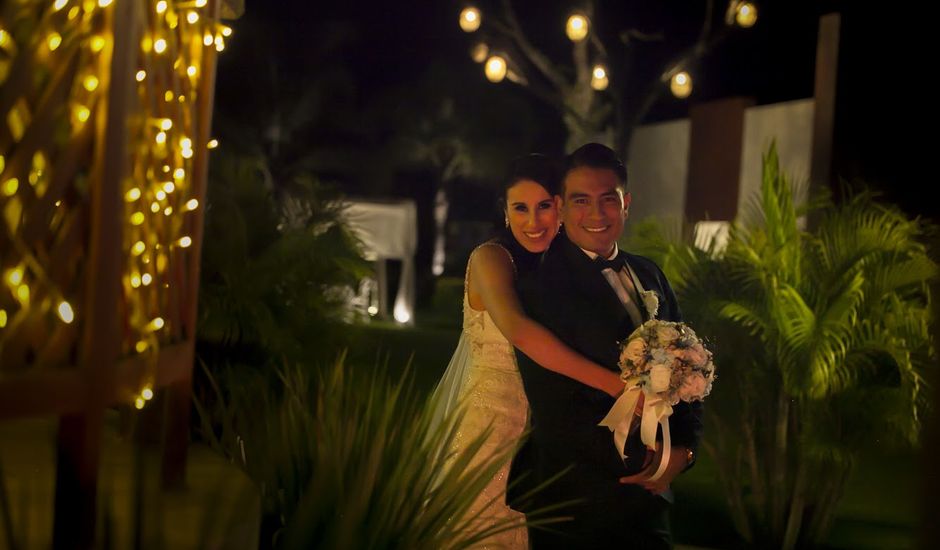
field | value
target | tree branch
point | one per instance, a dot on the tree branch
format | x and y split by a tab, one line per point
536	57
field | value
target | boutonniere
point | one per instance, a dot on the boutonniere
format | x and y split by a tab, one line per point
650	302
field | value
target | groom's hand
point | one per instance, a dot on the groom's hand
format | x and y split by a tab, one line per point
677	462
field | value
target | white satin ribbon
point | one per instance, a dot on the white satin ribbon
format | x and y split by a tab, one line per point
655	412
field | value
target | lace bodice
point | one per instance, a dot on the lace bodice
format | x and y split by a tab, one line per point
493	389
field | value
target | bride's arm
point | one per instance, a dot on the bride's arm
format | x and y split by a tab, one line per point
492	283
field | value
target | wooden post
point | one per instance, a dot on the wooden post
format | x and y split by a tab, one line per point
824	99
79	435
179	393
715	149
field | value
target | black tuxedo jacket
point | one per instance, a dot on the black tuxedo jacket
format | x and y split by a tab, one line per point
568	295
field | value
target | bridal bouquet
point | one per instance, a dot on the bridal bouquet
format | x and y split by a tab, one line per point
666	362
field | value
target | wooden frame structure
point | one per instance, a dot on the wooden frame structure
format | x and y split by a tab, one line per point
104	142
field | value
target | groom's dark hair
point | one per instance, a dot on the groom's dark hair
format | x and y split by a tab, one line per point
594	155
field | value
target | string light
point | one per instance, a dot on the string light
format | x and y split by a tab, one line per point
97	43
104	3
470	19
226	31
599	80
168	210
132	195
139	403
201	3
156	324
681	85
219	43
10	186
160	137
22	293
213	143
65	312
161	6
166	124
3	318
135	281
191	70
154	207
141	75
161	195
577	27
138	248
59	4
495	69
169	187
159	45
192	18
192	204
15	276
90	83
53	41
147	394
179	173
746	14
146	279
207	39
185	242
137	218
186	153
140	346
82	113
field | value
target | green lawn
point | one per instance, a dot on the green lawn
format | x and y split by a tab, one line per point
880	508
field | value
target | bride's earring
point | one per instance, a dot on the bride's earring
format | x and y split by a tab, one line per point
507	221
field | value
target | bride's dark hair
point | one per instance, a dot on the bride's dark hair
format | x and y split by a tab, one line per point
537	167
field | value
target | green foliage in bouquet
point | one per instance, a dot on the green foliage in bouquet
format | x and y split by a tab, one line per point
822	338
349	459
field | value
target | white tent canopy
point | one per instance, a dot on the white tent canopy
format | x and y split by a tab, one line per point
388	231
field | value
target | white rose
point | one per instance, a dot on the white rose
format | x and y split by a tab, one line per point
659	378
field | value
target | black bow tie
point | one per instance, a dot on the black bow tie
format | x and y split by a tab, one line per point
616	264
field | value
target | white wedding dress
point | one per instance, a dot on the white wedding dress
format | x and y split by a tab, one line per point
484	377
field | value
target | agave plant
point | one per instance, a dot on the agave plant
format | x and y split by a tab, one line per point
822	339
348	459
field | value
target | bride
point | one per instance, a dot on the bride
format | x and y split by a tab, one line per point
483	373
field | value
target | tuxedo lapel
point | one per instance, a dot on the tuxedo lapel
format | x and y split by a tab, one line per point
590	283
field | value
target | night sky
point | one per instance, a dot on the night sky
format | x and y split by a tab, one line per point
375	52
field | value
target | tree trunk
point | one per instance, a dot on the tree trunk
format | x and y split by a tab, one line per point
779	492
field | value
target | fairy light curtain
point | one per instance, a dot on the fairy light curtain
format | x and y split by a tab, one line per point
74	74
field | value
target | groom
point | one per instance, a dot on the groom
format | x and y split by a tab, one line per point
587	292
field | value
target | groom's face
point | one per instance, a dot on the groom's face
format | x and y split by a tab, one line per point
594	208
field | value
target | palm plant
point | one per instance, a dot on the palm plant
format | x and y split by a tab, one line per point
822	340
272	271
348	459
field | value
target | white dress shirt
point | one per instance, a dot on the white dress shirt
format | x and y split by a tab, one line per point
622	285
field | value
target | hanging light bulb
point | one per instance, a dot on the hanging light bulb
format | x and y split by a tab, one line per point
479	52
599	80
577	27
495	68
745	14
470	19
681	85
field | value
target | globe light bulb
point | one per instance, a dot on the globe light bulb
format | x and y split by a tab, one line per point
745	14
470	19
577	27
495	68
681	85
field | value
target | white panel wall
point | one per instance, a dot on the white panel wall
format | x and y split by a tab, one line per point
791	125
658	167
658	160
